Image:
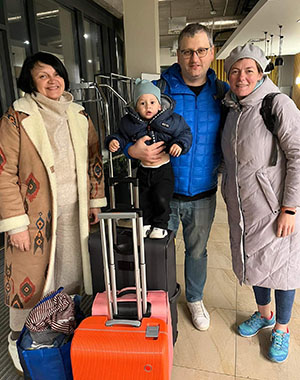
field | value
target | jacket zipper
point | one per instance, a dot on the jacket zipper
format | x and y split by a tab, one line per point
242	245
193	145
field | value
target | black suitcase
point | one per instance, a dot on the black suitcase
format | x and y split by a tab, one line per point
160	259
160	254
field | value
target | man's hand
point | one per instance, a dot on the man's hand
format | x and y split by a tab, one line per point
149	154
21	240
175	150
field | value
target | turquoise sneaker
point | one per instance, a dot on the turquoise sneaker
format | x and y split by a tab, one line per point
254	324
279	349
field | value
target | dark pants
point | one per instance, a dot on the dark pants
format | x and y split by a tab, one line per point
156	186
284	302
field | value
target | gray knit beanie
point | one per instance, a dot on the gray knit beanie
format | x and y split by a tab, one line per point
143	86
246	51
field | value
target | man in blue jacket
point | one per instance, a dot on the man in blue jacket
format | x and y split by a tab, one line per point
193	85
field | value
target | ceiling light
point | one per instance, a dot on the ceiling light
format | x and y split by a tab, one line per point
298	80
15	18
212	9
214	23
47	14
279	59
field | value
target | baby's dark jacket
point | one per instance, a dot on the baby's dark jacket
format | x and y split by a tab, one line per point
166	126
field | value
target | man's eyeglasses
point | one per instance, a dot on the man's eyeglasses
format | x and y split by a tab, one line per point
188	53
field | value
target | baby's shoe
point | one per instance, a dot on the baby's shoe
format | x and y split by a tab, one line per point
146	230
158	233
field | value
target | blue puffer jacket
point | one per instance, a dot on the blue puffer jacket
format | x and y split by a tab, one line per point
196	171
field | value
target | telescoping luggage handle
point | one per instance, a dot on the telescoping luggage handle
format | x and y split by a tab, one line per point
110	269
134	196
134	190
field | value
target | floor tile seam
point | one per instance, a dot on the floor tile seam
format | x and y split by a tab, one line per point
218	268
209	267
220	222
219	240
213	267
211	307
203	370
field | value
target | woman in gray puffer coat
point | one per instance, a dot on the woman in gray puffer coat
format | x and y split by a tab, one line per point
262	196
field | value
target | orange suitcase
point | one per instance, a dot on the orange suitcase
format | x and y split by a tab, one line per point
120	352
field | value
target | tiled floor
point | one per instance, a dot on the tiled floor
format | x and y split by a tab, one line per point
219	353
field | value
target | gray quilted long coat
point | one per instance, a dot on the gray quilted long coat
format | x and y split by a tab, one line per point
254	191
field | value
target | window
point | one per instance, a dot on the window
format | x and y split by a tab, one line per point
120	56
56	30
18	33
93	49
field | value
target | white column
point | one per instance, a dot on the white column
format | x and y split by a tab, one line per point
141	28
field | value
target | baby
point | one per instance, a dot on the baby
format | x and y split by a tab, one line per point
151	114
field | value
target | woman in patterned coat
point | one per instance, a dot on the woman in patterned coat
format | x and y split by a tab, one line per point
51	182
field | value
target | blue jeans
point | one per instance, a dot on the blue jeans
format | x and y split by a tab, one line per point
284	300
197	217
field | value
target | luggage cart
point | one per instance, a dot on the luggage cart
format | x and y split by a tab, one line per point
109	106
88	95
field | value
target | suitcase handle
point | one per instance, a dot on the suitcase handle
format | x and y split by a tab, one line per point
125	292
117	215
115	180
134	189
127	322
128	309
114	213
109	267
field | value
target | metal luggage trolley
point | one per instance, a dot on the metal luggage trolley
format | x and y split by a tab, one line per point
118	91
123	86
109	106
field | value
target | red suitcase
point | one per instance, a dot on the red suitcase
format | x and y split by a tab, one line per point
139	347
120	352
157	300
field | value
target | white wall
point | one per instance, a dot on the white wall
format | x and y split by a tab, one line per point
285	75
141	29
165	58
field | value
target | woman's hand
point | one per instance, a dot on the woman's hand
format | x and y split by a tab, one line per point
21	240
285	224
149	154
93	215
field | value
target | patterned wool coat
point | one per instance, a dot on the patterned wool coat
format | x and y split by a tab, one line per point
28	196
